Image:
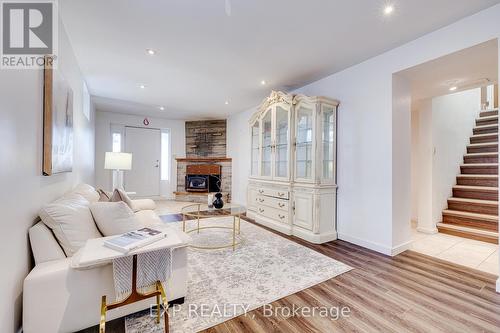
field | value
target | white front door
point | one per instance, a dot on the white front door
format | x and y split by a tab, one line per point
145	146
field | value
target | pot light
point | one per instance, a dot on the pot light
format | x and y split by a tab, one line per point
263	82
150	51
453	88
226	102
388	9
162	108
142	86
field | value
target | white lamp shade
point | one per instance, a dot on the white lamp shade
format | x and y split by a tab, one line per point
118	161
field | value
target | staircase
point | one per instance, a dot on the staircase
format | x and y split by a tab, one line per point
473	210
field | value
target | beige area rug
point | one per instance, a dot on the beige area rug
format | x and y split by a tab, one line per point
224	284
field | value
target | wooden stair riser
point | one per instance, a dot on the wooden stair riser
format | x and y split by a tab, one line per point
467	235
481	159
489	182
486	121
479	170
488	113
470	222
475	194
484	139
487	149
488	130
473	207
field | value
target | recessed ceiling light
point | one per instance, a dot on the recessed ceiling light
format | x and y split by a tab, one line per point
150	51
388	9
226	102
263	82
142	86
161	108
453	88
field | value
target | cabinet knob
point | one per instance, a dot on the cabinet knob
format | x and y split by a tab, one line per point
261	210
261	200
281	205
281	216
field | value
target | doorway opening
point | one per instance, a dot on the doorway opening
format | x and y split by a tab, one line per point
454	156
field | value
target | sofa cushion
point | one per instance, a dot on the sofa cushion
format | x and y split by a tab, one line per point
114	218
86	191
44	245
71	221
148	218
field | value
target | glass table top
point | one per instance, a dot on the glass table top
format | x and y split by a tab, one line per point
199	209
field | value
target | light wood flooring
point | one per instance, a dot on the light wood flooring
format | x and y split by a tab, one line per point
410	292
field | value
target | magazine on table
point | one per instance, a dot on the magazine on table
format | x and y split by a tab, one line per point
134	239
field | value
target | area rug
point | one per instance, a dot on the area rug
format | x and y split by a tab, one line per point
224	284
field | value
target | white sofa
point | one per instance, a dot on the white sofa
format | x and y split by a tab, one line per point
58	298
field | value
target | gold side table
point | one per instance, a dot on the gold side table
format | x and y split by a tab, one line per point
136	296
199	212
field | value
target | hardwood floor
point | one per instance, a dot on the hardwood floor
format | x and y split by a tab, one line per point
407	293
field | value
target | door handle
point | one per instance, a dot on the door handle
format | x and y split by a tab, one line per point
157	164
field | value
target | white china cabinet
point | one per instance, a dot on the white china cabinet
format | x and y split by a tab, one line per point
292	186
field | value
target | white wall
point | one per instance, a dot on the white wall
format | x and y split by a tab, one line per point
238	147
103	143
414	163
366	143
24	189
453	118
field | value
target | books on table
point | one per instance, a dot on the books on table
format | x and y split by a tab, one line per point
134	239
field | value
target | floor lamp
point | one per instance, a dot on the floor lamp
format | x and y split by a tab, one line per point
118	162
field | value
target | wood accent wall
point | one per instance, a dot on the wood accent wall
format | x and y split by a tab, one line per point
206	138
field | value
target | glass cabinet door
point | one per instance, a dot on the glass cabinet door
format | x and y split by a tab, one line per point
266	144
281	149
304	141
255	149
328	141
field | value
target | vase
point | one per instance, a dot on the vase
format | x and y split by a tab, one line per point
218	203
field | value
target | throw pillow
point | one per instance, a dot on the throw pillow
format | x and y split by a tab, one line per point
70	220
120	195
114	218
104	196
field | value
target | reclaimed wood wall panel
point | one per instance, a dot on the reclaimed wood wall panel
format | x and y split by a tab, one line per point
206	138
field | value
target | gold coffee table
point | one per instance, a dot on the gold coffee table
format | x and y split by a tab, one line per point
198	212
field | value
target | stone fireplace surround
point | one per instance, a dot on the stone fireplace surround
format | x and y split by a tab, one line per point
182	195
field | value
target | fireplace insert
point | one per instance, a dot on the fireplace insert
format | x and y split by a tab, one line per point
202	183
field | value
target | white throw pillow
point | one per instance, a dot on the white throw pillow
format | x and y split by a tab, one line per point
71	221
114	218
86	191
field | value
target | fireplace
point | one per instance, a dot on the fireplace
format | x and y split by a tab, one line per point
203	178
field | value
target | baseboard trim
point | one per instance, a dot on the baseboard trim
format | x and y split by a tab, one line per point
367	244
401	248
394	251
429	231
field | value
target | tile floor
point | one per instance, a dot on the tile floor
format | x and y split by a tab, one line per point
467	252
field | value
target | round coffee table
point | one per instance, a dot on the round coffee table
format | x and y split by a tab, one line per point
199	212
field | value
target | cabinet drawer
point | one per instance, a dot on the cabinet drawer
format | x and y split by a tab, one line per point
274	193
272	202
274	214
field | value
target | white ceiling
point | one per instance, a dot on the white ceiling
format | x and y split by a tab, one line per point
466	69
205	57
